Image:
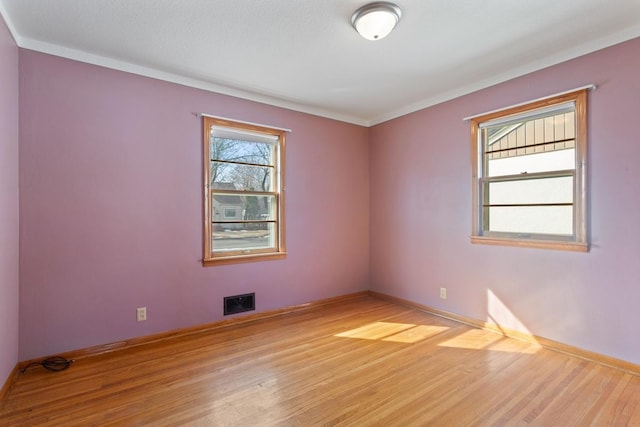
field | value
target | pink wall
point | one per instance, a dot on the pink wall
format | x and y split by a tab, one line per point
110	211
111	208
8	203
421	215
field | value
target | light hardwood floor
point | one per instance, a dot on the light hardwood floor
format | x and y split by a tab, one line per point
364	362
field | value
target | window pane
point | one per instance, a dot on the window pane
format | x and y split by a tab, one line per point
229	176
259	208
539	219
245	207
539	132
531	163
541	190
242	236
234	150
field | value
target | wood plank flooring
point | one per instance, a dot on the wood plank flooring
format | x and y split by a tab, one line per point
363	362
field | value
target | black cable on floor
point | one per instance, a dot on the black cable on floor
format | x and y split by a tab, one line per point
55	363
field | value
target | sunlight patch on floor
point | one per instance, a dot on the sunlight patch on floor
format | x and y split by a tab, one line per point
508	323
416	334
511	345
479	339
393	332
474	339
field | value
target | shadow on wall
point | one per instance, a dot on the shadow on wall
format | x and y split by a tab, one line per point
500	315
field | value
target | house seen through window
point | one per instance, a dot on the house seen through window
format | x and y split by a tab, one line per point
529	184
244	216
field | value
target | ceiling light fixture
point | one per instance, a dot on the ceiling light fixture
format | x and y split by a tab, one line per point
374	21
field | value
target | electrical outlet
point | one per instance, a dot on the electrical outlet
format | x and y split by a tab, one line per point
443	293
141	314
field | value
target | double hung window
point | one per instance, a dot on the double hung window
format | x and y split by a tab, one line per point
243	192
529	174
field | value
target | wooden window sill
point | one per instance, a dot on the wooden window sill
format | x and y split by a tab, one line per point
537	244
244	258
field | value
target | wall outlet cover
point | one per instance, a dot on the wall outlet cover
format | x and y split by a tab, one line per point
141	314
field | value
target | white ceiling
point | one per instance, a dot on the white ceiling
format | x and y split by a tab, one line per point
304	54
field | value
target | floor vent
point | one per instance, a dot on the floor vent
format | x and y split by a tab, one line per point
239	303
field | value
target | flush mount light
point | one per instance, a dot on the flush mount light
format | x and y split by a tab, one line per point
374	21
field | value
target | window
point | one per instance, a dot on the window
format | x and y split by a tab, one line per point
529	174
243	197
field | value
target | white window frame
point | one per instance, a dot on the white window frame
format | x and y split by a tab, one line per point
246	132
578	240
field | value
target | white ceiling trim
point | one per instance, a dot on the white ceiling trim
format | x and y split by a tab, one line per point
128	67
557	58
10	26
102	61
82	56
